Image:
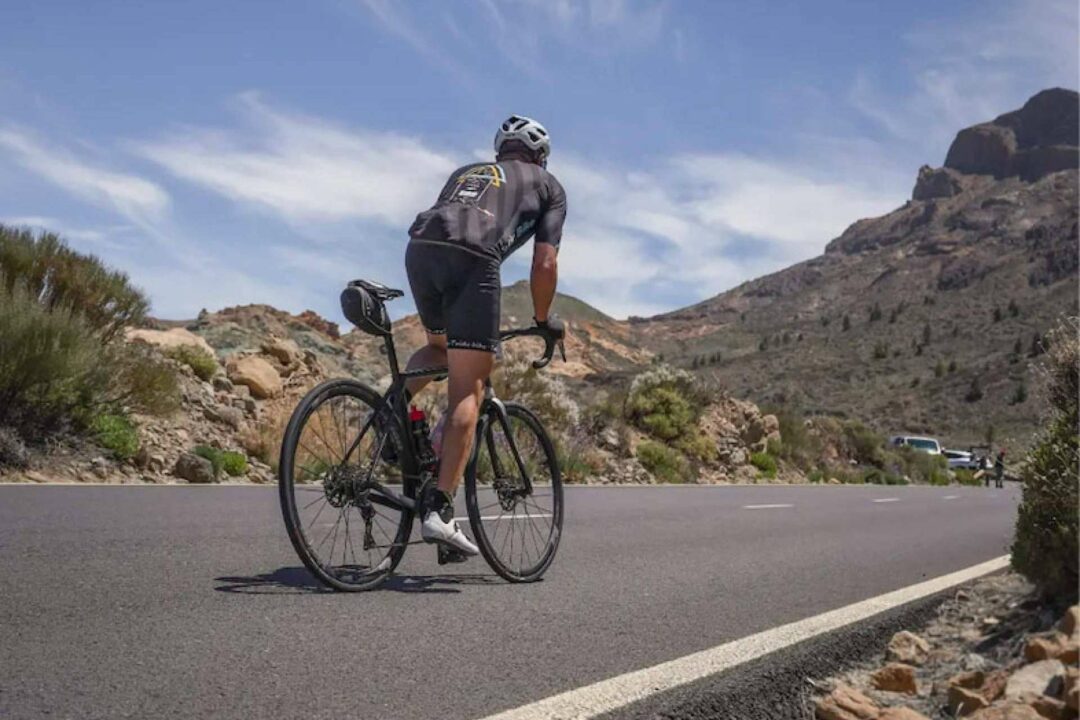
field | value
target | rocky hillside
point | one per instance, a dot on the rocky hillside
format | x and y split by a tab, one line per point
924	319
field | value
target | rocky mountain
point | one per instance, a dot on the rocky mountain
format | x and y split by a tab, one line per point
925	319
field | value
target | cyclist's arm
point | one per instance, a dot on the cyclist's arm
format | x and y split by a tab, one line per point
545	265
545	275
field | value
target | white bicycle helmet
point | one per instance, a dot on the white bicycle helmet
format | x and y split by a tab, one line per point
528	131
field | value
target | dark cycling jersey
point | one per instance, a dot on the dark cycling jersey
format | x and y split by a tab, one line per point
492	209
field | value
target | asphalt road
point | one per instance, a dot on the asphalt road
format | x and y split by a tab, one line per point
189	601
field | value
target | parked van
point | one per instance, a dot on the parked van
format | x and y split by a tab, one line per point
929	446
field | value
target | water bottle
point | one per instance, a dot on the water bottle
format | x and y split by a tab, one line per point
418	424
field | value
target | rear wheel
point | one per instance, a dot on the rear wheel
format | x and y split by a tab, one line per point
518	533
345	533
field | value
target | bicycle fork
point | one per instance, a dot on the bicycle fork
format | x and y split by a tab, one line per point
493	406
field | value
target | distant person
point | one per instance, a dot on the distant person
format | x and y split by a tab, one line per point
999	470
486	211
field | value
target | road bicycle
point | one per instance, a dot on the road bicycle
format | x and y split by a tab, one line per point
349	501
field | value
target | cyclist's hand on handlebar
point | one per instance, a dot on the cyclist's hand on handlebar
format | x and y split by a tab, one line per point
554	326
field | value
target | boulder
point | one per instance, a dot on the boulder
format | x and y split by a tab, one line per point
846	703
286	351
1038	139
907	647
257	374
1047	707
167	339
964	701
1009	711
975	689
895	677
982	150
1030	165
222	383
901	713
1038	678
194	469
936	183
225	414
994	685
1050	646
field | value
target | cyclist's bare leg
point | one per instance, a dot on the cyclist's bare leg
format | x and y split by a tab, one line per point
468	371
431	355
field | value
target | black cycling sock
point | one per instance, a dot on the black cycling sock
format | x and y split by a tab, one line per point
439	501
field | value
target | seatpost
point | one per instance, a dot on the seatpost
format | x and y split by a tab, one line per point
391	357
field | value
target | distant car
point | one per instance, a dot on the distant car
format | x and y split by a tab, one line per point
929	446
962	460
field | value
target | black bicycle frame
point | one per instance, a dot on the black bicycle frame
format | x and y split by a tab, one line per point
492	408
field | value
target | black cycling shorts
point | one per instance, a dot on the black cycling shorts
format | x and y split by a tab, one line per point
457	293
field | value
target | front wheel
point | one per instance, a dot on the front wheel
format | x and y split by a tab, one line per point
517	532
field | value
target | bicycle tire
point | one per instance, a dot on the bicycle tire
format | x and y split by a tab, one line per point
287	487
492	551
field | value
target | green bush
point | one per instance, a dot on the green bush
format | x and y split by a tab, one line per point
698	446
64	280
49	362
865	445
667	464
849	477
233	464
874	476
920	466
212	454
140	380
1045	545
938	477
798	445
13	451
663	412
542	392
204	364
815	476
117	434
61	361
764	462
966	477
666	403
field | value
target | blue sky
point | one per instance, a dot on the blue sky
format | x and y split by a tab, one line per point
239	152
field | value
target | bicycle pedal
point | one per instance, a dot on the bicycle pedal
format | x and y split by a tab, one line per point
450	556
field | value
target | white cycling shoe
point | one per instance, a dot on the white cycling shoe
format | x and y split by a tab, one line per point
437	529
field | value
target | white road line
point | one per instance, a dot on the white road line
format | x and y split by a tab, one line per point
881	500
504	517
767	507
622	690
951	497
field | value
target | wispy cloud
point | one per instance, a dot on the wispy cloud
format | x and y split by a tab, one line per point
102	237
131	196
524	31
306	169
972	71
697	225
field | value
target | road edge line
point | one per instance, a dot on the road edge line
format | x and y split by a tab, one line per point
623	690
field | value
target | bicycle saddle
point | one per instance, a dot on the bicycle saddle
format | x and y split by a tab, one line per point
379	290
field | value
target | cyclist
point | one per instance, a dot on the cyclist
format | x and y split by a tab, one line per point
485	212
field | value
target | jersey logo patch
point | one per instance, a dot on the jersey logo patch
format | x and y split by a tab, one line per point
472	185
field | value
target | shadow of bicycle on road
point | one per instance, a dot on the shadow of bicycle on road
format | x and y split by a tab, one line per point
297	581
